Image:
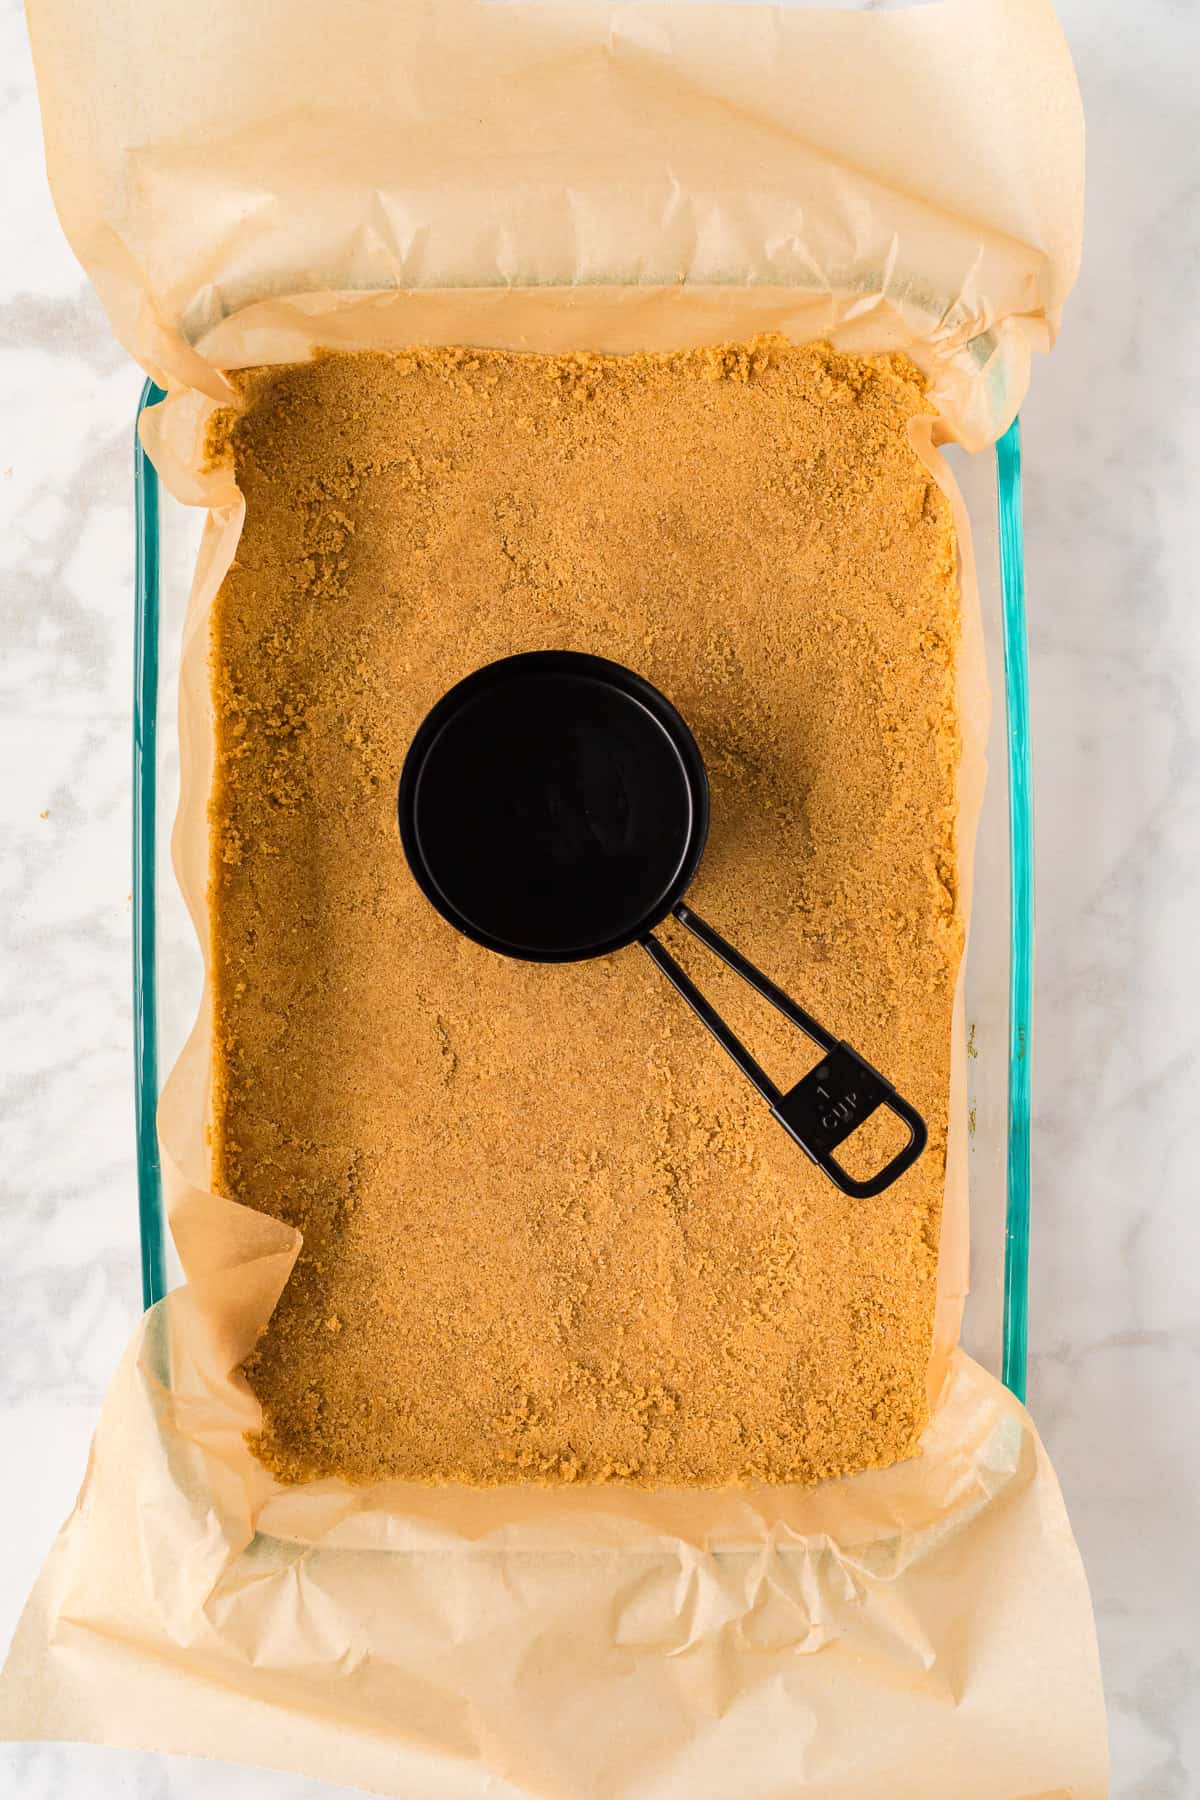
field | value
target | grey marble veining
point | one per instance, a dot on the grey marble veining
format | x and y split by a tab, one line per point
1112	430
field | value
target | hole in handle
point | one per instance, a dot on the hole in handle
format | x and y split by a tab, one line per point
828	1104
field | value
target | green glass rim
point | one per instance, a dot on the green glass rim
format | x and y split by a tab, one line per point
145	972
145	795
1014	1361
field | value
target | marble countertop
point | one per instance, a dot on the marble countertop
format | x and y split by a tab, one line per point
1110	435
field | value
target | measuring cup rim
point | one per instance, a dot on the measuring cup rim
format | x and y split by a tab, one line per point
575	664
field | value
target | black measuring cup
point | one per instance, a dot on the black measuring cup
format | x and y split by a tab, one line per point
553	807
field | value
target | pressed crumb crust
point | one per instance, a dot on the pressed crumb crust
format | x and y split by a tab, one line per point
549	1233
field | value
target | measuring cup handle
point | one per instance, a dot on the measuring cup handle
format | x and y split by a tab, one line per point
825	1106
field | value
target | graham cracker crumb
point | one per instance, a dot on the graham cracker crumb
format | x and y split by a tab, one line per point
549	1233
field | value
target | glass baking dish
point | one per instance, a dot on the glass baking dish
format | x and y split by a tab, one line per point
166	958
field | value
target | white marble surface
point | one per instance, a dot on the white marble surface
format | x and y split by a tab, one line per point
1112	446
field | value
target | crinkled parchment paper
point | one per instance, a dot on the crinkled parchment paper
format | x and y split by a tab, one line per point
244	181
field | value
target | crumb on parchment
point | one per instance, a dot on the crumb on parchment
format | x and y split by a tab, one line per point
549	1233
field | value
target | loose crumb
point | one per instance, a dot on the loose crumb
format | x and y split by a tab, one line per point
549	1233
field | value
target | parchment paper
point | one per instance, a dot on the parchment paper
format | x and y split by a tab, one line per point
910	178
551	176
